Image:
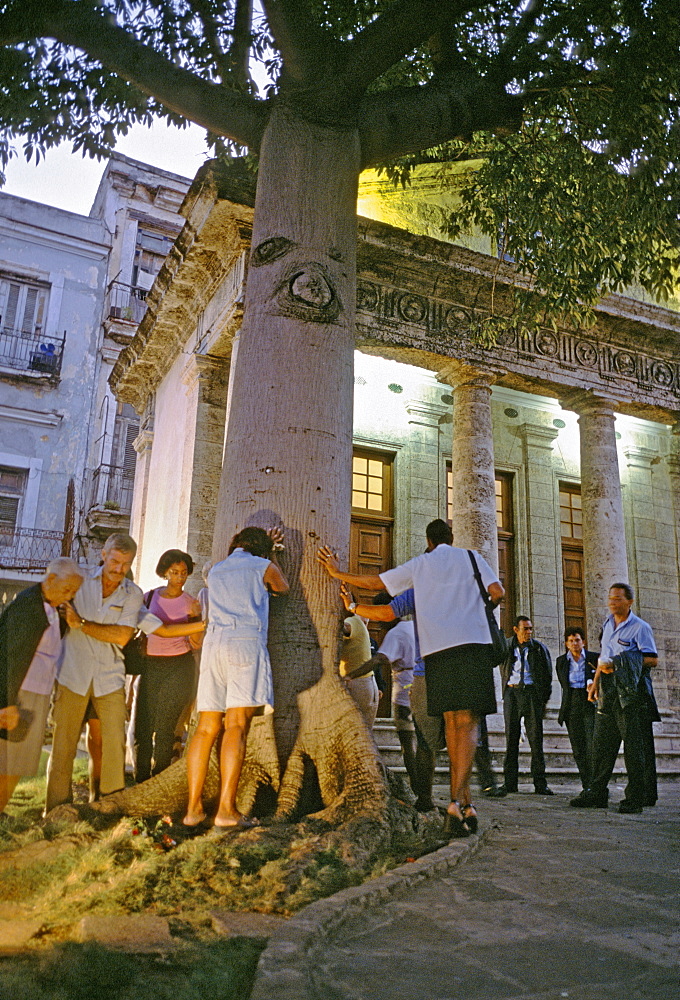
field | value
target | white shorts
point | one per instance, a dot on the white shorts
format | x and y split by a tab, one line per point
235	672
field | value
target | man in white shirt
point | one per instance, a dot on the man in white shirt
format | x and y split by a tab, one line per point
101	620
454	642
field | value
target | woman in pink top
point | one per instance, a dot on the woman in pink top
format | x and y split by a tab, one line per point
167	685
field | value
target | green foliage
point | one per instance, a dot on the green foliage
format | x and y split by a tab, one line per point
222	970
584	194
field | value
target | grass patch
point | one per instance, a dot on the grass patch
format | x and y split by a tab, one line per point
222	970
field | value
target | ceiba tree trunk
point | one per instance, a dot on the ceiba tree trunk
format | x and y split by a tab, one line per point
287	462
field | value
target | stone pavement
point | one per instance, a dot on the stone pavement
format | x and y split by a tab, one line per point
546	902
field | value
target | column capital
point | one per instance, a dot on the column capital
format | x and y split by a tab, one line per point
641	457
458	373
143	441
538	435
203	368
421	412
586	401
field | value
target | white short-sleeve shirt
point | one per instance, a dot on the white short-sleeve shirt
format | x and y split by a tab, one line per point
89	661
450	609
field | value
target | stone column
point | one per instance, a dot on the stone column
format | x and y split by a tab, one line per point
472	461
208	378
604	540
538	594
142	445
424	470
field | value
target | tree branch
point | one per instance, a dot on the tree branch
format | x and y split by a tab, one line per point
213	36
239	50
408	119
299	40
396	33
215	107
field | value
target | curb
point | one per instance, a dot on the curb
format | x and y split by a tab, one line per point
283	969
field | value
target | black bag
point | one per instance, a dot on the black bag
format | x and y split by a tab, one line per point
134	651
499	644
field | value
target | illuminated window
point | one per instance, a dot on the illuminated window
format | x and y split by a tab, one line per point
571	515
369	485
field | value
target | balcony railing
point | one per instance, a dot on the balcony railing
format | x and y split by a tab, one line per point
31	352
29	550
125	302
111	488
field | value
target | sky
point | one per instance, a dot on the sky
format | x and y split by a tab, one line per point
69	181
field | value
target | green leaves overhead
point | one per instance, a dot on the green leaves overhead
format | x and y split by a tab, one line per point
582	189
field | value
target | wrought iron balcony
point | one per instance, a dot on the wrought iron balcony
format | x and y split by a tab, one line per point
125	302
110	488
29	550
31	352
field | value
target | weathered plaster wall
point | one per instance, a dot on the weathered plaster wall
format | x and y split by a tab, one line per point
42	421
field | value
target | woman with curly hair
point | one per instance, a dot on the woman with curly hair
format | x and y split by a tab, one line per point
235	682
168	683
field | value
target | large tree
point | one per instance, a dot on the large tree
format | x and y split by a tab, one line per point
572	106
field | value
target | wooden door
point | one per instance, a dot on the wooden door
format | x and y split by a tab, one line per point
571	530
371	531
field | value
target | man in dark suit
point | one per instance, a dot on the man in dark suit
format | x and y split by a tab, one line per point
30	643
575	671
526	675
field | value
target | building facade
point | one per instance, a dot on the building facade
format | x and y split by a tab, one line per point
555	454
53	267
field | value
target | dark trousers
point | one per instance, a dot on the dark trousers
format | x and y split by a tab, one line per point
580	722
483	763
166	687
611	727
647	717
518	704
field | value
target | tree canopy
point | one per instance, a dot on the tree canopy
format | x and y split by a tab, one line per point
571	104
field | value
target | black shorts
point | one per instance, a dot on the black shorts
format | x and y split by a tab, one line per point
460	678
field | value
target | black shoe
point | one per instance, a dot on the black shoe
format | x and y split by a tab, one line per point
544	790
454	826
590	800
506	790
494	791
424	805
626	806
649	802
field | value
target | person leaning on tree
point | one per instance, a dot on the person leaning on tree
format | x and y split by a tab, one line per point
455	644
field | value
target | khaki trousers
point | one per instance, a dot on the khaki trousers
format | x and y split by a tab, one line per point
69	713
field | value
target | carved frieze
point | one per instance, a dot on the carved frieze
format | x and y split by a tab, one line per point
440	326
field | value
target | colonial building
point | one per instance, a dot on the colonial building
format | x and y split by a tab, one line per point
53	267
72	292
555	453
138	205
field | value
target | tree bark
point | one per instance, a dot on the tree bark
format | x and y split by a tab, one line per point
287	462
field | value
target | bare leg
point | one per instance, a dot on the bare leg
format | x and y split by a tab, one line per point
198	757
460	728
8	783
232	754
94	748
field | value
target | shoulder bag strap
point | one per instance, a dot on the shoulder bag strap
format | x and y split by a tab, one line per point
475	569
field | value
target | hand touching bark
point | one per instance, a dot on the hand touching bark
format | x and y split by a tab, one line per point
328	560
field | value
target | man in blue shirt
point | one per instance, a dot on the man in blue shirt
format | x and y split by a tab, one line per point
627	651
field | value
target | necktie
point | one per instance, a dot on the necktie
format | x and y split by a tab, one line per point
522	665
